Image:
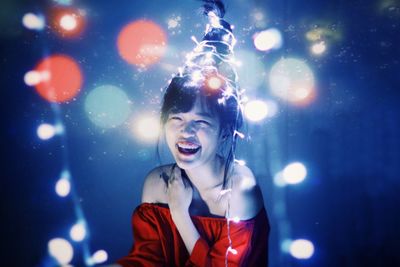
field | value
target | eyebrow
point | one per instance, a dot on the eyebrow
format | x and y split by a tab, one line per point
205	114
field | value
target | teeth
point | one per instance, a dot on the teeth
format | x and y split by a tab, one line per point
188	146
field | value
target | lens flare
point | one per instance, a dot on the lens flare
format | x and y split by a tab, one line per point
60	78
142	43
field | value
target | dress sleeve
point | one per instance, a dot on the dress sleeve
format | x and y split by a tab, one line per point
147	249
249	240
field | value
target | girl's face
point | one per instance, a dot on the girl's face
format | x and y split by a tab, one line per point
193	137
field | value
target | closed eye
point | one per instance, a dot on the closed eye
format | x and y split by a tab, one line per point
175	118
203	122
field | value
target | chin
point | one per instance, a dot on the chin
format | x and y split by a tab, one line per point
185	165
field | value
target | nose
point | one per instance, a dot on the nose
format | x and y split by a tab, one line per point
188	129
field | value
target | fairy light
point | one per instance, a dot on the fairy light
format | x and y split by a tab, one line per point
78	231
240	162
225	191
232	250
241	135
212	63
235	219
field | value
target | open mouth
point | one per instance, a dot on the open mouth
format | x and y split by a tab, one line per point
187	148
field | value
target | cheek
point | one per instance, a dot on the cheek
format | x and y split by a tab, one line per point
209	136
169	132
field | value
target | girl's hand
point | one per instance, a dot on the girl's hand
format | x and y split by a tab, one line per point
179	192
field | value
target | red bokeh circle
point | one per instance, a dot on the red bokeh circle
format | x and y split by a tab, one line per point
61	78
142	43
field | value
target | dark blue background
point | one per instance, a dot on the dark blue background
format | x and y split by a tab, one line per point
349	137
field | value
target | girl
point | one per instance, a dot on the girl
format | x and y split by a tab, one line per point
205	209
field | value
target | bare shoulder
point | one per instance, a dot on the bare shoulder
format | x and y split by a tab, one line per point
154	187
247	199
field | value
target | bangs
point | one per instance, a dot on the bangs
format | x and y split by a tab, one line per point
180	98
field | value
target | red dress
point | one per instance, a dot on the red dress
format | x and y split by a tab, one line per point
158	243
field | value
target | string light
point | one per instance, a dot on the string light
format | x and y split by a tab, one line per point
240	162
241	135
232	250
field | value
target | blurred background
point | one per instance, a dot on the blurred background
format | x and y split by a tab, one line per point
81	89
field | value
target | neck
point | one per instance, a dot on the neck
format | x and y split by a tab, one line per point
207	176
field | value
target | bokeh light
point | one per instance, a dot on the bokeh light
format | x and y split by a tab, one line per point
324	32
61	250
60	78
251	70
46	131
78	231
318	48
174	22
294	173
272	108
301	249
68	22
32	78
63	187
278	180
256	110
214	82
259	18
142	43
268	39
33	22
146	128
63	2
99	256
292	80
107	106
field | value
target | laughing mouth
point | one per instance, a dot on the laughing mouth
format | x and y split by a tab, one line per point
187	148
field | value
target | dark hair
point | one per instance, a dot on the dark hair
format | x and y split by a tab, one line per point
182	92
180	97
